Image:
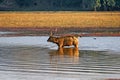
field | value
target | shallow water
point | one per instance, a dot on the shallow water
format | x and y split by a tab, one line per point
5	32
85	43
33	58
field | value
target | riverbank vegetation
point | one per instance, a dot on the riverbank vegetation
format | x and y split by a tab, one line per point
59	19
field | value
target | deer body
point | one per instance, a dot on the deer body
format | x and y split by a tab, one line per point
64	41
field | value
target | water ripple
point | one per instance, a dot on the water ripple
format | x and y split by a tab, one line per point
67	61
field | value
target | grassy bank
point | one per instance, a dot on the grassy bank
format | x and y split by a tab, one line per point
59	19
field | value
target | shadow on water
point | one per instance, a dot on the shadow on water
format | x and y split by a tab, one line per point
85	61
63	54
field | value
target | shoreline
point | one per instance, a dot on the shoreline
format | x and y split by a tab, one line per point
43	31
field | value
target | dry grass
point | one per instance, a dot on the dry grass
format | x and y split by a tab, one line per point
59	19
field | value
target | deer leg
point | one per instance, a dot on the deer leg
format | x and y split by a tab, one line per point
60	46
76	45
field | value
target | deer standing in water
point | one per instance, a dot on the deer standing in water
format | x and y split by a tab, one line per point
64	40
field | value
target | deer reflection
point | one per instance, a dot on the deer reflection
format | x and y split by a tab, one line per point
64	55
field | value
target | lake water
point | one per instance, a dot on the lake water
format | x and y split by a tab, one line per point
33	58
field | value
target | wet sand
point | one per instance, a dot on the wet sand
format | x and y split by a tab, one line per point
60	31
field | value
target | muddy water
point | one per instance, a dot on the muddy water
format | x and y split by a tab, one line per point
33	58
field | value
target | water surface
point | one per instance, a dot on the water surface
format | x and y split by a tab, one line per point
33	58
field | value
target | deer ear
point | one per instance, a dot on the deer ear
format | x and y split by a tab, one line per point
51	33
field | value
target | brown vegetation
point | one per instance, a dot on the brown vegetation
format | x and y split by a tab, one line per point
59	19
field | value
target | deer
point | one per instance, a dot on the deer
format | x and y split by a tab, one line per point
62	41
